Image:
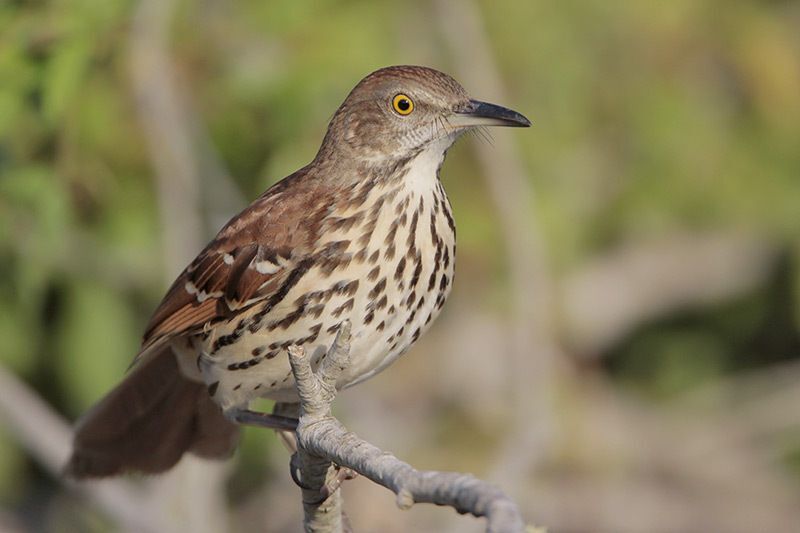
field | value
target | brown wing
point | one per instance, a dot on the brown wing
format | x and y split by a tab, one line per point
216	285
251	259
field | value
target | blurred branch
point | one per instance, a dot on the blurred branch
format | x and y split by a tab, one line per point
612	295
194	490
704	463
48	438
189	173
323	441
164	122
221	197
756	407
534	352
9	523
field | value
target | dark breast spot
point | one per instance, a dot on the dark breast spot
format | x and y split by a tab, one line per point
347	306
450	222
344	223
310	297
412	235
377	289
389	252
316	310
288	320
411	298
344	287
417	272
365	238
401	206
373	274
392	232
329	265
401	267
434	235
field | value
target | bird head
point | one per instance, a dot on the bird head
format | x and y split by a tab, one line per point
398	111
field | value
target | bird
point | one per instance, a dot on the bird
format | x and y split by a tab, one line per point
364	233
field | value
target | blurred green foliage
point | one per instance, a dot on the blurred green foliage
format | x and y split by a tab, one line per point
649	116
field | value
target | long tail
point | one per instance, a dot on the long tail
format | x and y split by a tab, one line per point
148	422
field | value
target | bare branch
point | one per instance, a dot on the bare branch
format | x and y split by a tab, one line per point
324	440
192	493
613	294
48	438
163	120
535	353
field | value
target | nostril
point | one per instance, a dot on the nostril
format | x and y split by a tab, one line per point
464	107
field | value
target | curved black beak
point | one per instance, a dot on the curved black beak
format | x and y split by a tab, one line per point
477	113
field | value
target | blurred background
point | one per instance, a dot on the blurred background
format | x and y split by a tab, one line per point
620	351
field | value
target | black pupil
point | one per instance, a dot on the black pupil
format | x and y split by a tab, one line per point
403	104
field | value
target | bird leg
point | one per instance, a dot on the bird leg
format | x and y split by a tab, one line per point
262	420
284	421
291	410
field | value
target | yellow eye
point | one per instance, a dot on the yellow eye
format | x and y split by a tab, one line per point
402	104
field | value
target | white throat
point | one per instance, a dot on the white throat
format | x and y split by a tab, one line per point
424	168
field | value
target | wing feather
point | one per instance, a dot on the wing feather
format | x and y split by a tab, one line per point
250	259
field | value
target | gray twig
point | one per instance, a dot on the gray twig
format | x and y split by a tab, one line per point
324	442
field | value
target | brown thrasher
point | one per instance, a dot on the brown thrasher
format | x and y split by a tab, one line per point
363	233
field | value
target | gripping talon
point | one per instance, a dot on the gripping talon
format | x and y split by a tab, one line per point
296	472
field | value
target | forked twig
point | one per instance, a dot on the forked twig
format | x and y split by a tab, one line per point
325	444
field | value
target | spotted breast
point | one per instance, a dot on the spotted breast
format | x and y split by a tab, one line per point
387	267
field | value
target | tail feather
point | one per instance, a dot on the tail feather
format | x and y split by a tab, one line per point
148	422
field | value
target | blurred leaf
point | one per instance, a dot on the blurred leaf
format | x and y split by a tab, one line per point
12	481
39	217
19	339
791	453
662	365
64	74
10	108
96	342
